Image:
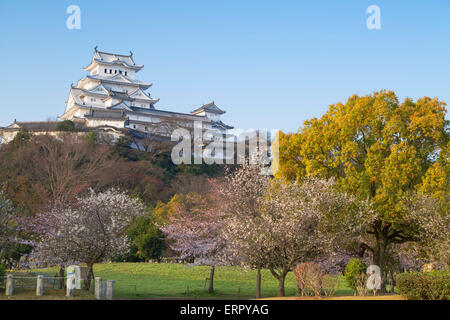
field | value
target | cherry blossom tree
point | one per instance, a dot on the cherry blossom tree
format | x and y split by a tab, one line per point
430	223
241	197
276	225
91	230
194	232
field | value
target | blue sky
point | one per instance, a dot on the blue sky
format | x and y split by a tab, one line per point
269	64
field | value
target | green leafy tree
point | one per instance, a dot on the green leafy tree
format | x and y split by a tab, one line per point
353	271
146	239
21	138
66	125
380	150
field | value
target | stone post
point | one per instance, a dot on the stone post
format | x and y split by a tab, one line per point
9	285
98	288
69	286
40	286
103	290
110	289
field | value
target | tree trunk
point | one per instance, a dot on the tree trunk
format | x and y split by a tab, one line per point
61	277
90	277
379	258
258	284
281	292
391	274
211	280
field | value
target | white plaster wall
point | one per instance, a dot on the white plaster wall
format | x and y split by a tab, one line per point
141	104
101	71
93	101
145	118
213	116
100	122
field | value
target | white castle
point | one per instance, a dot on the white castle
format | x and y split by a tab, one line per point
111	99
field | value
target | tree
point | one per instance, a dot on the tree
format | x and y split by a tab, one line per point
66	125
194	232
432	227
147	240
163	212
8	224
46	171
21	138
376	149
89	231
68	165
242	193
277	224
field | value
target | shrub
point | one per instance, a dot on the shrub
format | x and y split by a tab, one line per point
354	273
66	125
434	285
310	278
360	288
330	284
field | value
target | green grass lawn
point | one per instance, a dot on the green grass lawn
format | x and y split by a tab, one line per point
167	280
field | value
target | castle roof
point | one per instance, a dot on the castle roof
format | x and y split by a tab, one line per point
39	125
209	107
165	113
106	58
121	107
219	124
137	95
141	95
117	94
119	78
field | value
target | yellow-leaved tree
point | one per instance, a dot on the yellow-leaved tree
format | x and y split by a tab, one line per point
379	150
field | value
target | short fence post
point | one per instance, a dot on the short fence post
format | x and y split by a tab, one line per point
69	287
110	289
103	290
40	286
98	288
9	285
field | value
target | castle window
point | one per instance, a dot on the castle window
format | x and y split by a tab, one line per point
106	70
110	71
115	71
126	73
120	71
